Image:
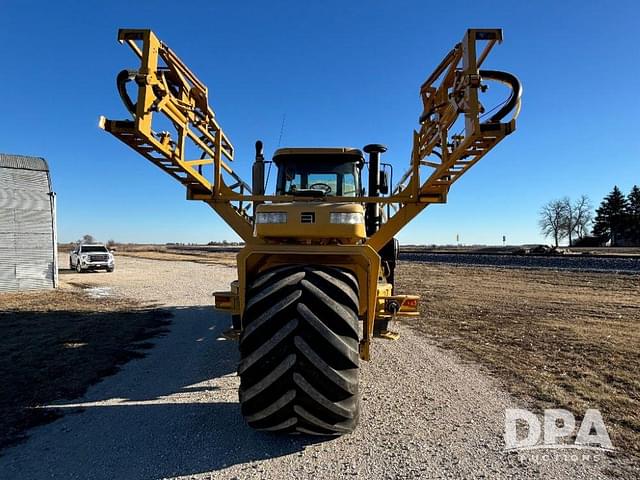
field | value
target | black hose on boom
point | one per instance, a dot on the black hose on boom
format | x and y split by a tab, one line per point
124	77
513	103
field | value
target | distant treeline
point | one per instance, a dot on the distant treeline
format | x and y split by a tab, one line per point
616	222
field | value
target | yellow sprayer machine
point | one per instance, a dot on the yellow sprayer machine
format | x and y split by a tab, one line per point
316	275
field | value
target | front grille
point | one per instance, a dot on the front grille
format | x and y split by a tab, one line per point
98	258
307	217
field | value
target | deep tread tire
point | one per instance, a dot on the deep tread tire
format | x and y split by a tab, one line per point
299	351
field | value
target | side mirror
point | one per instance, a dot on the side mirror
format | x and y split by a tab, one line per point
384	183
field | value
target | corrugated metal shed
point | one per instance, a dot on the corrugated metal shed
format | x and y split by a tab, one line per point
28	243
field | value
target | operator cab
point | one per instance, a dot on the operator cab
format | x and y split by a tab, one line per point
321	195
319	172
309	178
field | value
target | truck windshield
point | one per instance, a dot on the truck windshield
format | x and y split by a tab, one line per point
90	249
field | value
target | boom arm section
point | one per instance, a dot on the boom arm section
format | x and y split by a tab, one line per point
450	91
166	88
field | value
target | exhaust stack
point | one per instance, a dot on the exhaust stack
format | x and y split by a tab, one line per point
372	217
257	180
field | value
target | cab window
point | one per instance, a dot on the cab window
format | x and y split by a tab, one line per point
333	179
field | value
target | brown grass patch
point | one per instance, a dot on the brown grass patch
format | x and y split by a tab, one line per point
207	258
54	345
557	339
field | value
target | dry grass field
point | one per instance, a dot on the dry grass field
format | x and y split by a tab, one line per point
212	258
555	338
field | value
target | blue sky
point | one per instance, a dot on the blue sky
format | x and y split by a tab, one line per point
344	73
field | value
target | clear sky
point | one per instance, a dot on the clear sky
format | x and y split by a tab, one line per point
344	73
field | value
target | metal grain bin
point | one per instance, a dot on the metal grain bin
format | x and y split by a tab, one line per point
28	243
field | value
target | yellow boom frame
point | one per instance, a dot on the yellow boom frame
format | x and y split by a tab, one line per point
187	108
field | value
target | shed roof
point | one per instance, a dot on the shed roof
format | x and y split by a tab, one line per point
23	162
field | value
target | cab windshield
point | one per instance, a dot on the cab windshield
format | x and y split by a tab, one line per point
333	179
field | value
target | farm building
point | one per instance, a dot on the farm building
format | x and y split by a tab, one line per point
28	253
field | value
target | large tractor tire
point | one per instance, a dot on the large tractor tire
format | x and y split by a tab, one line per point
299	351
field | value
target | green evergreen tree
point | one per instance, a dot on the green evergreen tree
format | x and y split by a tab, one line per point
611	217
633	216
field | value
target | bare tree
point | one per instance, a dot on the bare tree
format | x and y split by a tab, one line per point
582	216
87	239
568	221
553	220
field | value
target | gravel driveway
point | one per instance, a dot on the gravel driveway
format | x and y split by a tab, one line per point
175	413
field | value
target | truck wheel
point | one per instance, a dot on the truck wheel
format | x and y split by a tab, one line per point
78	266
111	269
299	351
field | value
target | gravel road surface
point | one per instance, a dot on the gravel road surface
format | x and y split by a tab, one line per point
175	413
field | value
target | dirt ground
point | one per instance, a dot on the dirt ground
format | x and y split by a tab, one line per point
555	338
226	259
55	344
512	338
575	335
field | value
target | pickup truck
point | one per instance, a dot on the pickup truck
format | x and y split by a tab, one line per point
91	257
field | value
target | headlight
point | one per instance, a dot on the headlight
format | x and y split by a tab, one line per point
351	218
84	256
271	217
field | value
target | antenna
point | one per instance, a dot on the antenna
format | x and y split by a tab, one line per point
284	117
